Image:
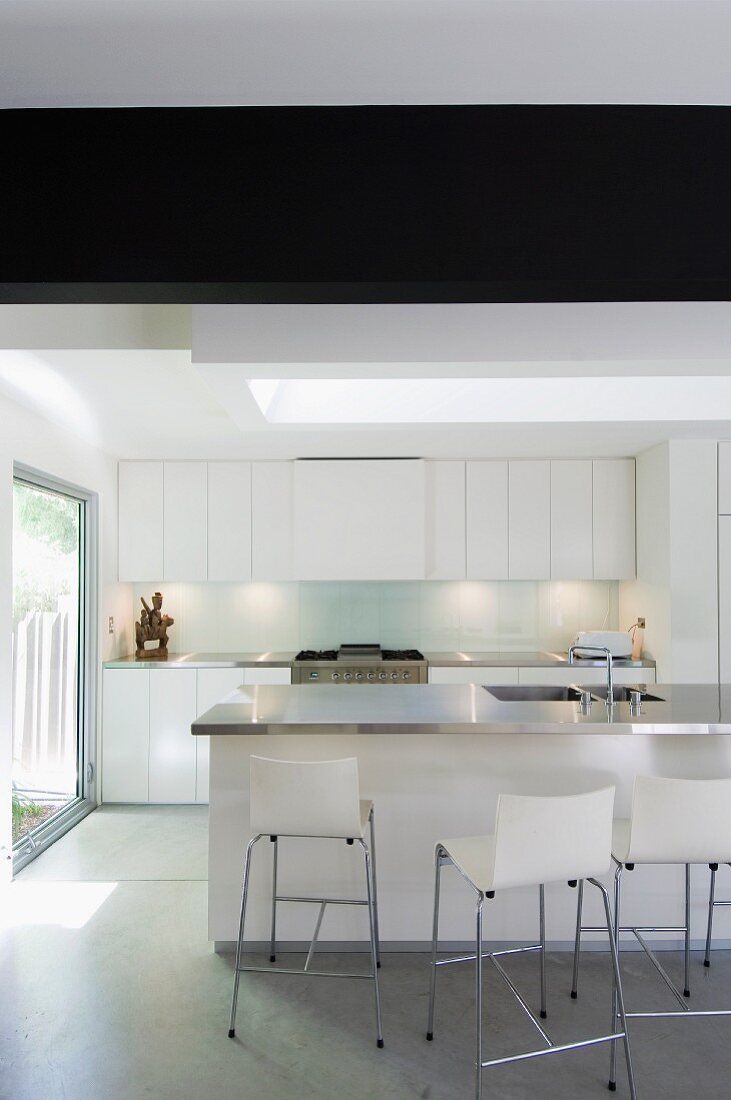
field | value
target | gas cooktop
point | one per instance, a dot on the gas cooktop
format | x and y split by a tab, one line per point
359	664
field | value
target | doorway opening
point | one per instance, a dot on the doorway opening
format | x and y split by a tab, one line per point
52	767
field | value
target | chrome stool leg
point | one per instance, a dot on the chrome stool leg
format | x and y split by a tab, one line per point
711	903
374	941
613	1045
542	922
577	941
478	997
242	919
618	1008
434	943
273	939
686	988
375	884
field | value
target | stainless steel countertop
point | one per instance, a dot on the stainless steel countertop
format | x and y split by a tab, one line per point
486	659
523	659
456	709
282	659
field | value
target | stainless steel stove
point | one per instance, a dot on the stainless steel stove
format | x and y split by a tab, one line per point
359	664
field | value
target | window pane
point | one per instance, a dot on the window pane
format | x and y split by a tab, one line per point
46	590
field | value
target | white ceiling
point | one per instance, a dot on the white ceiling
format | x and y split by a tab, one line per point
146	52
122	377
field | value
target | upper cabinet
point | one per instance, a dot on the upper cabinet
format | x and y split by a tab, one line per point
487	521
445	521
140	518
359	519
529	520
377	519
572	537
185	521
614	519
271	521
229	521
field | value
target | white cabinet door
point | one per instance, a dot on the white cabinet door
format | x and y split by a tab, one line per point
125	734
213	684
724	598
185	521
140	517
614	519
529	520
724	479
172	745
487	521
258	674
576	674
473	674
271	521
229	521
359	519
445	521
571	520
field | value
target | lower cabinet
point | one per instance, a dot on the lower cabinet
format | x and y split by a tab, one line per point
148	751
473	674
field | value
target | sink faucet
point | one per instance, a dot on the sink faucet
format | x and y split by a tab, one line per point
608	657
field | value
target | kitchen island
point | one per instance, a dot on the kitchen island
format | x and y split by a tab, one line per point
434	759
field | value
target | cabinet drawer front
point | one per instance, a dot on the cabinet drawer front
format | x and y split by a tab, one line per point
473	674
125	735
172	746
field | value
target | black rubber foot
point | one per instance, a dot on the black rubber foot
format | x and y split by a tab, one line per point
380	1042
544	1015
612	1086
378	966
706	962
574	994
686	993
272	958
429	1036
231	1033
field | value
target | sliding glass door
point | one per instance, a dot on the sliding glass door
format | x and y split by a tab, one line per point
50	532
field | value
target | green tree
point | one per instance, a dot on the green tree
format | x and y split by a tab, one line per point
47	517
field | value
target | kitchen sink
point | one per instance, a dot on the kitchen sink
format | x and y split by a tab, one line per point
621	693
534	693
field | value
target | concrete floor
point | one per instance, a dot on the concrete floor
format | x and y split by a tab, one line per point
108	988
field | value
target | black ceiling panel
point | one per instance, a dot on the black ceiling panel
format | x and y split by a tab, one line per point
360	204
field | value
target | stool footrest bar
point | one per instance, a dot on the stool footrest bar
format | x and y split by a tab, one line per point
488	954
307	973
553	1050
327	901
670	1015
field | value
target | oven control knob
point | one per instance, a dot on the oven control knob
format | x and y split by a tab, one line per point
371	675
407	675
381	675
336	675
359	675
394	675
347	675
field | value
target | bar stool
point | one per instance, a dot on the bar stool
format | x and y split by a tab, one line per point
712	904
309	799
673	821
536	840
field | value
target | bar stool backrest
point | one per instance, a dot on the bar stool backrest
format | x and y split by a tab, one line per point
546	839
680	821
305	797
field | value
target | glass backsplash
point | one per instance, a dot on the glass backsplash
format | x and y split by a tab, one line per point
427	615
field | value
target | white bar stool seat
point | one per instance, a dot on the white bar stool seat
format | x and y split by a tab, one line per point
673	821
317	799
536	840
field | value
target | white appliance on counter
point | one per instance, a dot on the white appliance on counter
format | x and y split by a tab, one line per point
617	642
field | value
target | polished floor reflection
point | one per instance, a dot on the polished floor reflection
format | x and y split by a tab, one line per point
108	988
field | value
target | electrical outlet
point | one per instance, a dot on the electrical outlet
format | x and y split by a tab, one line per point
641	621
111	624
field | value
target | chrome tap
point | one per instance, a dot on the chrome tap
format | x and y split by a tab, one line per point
610	671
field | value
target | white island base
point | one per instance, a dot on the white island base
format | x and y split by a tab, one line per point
432	787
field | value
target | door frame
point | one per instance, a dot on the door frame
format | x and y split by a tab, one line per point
87	681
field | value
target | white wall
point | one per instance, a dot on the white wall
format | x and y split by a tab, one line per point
34	442
677	578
